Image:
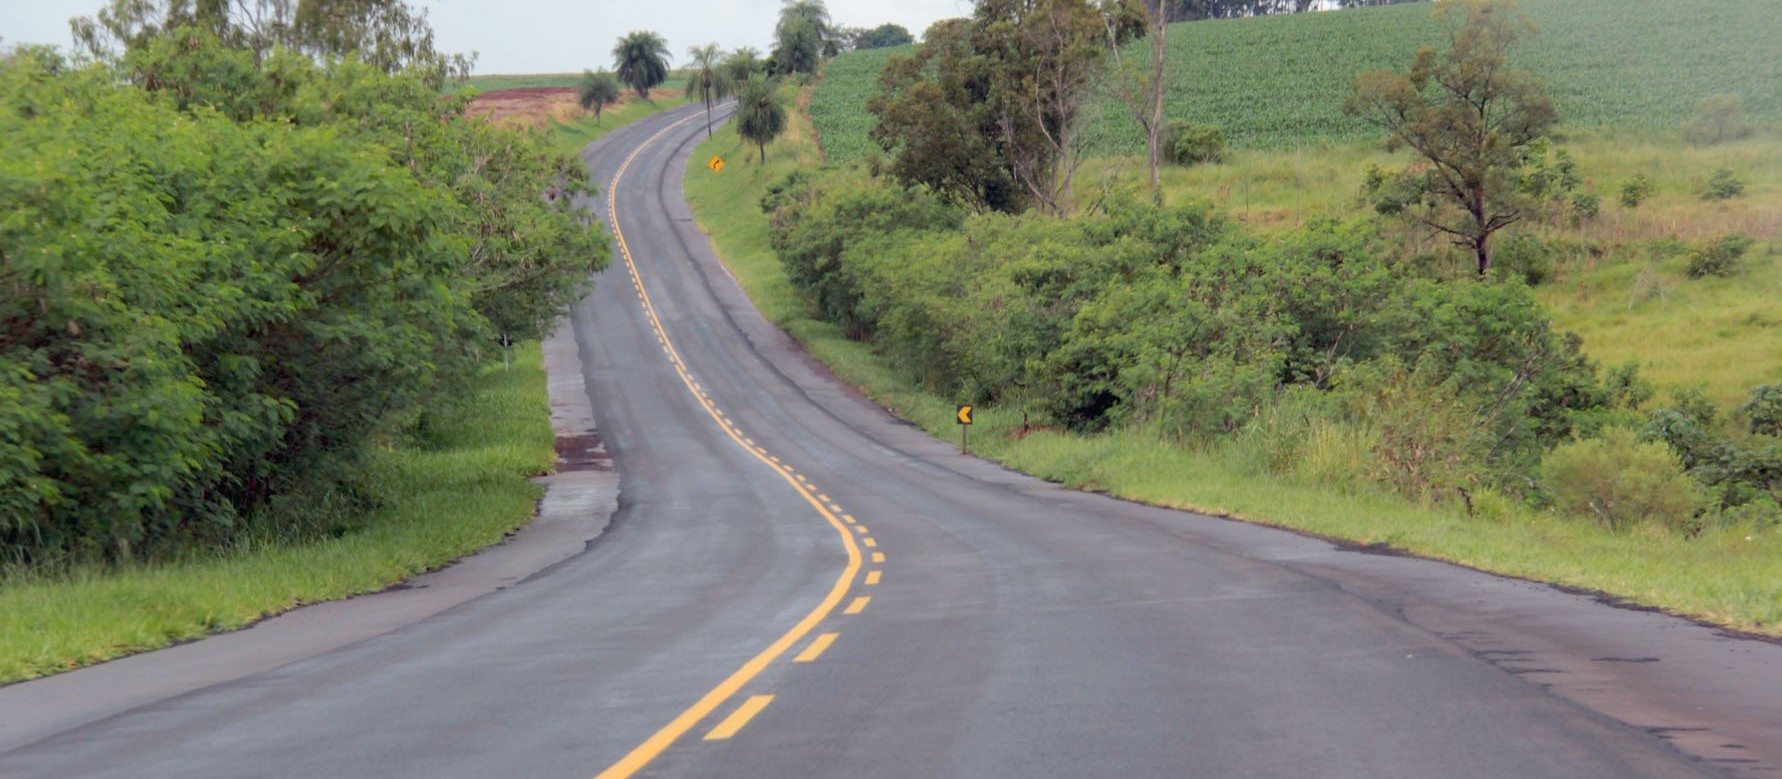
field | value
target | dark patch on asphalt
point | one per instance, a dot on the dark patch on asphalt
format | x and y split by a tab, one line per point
1624	659
582	452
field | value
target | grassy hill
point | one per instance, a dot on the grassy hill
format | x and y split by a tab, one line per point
1279	82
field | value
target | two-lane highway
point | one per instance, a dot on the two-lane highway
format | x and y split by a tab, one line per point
798	585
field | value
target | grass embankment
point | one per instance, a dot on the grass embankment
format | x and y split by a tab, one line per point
460	487
570	136
1727	576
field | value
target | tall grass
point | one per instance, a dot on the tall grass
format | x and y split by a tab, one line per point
1730	575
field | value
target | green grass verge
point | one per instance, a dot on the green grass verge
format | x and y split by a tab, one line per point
1730	576
570	137
490	83
462	489
1279	81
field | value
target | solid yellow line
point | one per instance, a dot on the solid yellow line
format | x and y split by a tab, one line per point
872	577
739	718
643	753
858	604
878	557
816	648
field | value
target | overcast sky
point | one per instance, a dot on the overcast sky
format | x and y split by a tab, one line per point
554	36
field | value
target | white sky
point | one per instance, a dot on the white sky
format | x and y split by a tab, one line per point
554	36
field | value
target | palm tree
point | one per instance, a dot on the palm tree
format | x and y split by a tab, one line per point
759	116
741	63
708	79
802	37
599	90
641	59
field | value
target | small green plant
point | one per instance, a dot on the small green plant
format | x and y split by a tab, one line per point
1765	410
1185	143
1722	257
1621	481
1718	119
1723	185
1636	190
1525	256
1586	206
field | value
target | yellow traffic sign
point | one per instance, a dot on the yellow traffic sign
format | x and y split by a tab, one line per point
964	415
716	164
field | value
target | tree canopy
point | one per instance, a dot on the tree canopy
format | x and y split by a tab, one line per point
802	37
760	117
708	79
641	60
597	91
1468	115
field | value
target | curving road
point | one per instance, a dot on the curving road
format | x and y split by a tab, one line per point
796	584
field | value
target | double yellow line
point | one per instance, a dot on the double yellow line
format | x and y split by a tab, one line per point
653	746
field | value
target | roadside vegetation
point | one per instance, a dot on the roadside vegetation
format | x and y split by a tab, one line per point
270	325
1285	339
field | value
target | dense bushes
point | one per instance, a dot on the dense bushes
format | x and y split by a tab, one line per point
215	285
1621	481
1170	320
1186	143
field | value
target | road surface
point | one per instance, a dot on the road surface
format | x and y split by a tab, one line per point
795	584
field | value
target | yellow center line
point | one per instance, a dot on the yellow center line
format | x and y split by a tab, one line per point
858	604
662	739
816	647
739	718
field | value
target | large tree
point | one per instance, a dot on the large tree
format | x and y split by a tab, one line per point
1140	85
641	60
802	37
598	90
1467	114
708	79
760	117
1045	55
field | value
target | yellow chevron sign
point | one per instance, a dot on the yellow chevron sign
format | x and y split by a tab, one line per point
964	415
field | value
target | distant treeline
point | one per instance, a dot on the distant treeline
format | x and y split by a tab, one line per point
226	265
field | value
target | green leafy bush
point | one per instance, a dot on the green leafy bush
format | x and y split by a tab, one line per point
1525	256
1186	143
1621	481
1764	410
1718	119
1635	190
1721	257
1723	185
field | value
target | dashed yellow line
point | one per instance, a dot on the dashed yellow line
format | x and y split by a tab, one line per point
869	542
739	718
643	753
872	577
877	557
858	605
816	647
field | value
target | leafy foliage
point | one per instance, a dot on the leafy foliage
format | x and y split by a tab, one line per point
1723	185
597	91
1622	482
1469	117
1720	257
1185	143
708	79
215	286
641	60
802	37
1718	119
1635	190
760	116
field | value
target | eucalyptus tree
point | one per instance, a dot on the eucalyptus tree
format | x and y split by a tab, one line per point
708	79
641	60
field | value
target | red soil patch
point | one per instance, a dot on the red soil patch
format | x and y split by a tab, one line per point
535	106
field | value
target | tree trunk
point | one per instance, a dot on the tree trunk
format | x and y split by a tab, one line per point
763	159
1482	253
708	120
1154	133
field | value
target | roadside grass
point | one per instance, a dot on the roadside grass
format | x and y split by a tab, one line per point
462	488
1730	576
571	136
493	82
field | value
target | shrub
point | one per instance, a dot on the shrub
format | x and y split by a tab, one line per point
1722	257
1526	257
1622	481
1185	143
1718	119
1636	190
1765	410
1723	185
1586	206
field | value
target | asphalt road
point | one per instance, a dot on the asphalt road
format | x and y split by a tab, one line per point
795	584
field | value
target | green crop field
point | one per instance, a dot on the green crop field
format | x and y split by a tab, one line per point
1279	82
522	81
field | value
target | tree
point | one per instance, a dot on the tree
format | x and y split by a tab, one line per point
386	34
801	37
741	64
1468	115
708	79
641	60
598	90
1140	90
881	37
759	116
1045	54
